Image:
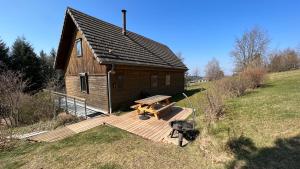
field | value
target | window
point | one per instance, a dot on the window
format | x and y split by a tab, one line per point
168	80
78	48
120	81
154	81
84	86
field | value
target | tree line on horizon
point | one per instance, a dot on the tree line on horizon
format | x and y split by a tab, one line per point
252	50
36	69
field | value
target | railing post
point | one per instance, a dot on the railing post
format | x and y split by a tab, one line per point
66	100
85	109
59	101
54	106
75	107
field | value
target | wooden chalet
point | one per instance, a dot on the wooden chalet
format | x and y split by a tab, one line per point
110	66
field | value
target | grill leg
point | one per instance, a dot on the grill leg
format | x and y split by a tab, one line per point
172	133
180	138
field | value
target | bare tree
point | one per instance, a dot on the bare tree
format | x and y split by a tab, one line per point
196	72
11	92
186	74
250	48
213	70
179	56
285	60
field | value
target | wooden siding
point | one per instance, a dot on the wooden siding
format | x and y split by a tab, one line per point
138	79
85	63
97	77
97	96
135	79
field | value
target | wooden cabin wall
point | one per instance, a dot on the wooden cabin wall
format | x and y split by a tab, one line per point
138	79
97	76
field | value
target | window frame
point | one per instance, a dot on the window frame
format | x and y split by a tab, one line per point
80	42
83	79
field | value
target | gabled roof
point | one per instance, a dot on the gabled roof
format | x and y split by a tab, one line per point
110	46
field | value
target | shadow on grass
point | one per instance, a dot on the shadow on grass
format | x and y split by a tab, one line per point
285	154
266	85
189	93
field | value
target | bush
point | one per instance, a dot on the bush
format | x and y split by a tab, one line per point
213	104
254	76
65	118
5	135
233	86
38	107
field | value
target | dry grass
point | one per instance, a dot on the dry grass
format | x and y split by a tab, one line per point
261	127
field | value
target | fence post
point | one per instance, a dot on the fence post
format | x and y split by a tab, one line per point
85	109
75	107
52	98
59	101
66	100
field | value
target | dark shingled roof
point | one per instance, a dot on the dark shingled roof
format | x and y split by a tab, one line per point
110	46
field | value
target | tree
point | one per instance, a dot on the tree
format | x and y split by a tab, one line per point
24	59
250	49
213	70
180	57
48	70
196	72
4	58
285	60
11	91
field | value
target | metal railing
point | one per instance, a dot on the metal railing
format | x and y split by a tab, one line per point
68	101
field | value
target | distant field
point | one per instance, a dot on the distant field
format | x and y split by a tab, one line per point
263	127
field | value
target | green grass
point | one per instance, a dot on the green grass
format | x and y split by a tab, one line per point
259	130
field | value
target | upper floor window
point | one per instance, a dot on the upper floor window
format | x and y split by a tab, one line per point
168	79
78	47
154	81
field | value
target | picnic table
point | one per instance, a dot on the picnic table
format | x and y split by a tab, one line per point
153	105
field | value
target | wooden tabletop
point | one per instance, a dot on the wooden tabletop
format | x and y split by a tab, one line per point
153	99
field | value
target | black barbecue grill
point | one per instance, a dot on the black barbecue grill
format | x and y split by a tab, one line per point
183	127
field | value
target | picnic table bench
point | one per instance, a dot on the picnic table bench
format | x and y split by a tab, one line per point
154	105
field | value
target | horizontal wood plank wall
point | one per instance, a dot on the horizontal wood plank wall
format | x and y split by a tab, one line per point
97	76
97	96
138	79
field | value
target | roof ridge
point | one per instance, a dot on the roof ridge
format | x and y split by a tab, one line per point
82	13
72	9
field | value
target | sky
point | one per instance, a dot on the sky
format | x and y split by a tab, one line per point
200	29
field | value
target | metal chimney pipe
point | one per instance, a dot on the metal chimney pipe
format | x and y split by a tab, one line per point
124	22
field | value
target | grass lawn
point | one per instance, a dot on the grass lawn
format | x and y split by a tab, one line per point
262	129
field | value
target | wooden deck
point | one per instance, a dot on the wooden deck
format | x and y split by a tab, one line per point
152	129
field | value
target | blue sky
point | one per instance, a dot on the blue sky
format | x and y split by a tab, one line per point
200	29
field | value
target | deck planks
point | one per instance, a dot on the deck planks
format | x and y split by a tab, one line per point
152	129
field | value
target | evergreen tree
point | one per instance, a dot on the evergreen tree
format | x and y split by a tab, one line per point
47	66
24	59
53	54
4	57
